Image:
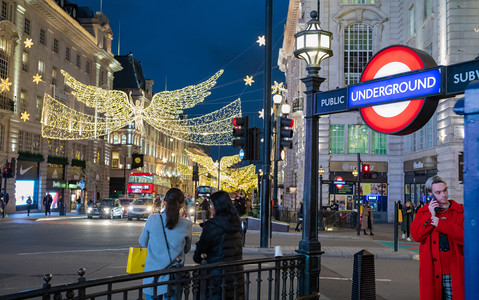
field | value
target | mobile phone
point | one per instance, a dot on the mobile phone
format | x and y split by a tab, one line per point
433	198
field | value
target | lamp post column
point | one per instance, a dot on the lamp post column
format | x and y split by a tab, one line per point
310	245
320	215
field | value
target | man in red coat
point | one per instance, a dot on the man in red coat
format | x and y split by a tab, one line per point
439	227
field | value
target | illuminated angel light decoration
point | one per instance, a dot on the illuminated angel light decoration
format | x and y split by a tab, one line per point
261	41
115	109
248	80
5	85
37	78
25	116
28	43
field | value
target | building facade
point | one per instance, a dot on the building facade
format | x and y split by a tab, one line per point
400	165
38	40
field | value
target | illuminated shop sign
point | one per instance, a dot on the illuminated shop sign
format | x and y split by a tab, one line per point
411	86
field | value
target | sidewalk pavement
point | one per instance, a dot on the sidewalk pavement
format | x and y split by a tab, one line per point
340	242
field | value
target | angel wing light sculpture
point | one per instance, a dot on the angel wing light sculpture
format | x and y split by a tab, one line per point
111	110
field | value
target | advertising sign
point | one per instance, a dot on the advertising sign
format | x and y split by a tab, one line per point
27	170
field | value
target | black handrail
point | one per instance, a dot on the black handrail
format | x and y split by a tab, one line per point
194	282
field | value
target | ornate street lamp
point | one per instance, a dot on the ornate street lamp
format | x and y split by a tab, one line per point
313	45
355	172
285	108
277	100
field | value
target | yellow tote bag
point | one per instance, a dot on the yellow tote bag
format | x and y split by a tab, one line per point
400	216
136	260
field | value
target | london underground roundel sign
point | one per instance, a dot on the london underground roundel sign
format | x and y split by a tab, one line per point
399	118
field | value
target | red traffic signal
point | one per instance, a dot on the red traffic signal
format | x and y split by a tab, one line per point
366	168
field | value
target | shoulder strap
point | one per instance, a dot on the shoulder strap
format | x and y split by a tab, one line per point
166	240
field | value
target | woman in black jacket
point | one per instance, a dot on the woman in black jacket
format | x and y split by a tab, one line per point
222	241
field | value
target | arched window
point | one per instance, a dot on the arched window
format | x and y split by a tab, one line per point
358	50
123	139
115	139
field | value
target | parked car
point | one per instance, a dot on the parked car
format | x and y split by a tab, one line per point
140	208
125	204
107	208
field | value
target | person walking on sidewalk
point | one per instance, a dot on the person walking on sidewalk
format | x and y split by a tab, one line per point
29	205
300	216
439	228
47	202
367	219
407	217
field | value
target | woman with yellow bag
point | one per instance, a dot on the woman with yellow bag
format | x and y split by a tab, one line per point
167	236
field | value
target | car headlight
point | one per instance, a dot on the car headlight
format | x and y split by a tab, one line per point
149	209
88	210
106	210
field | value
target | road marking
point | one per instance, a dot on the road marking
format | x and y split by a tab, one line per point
350	279
73	251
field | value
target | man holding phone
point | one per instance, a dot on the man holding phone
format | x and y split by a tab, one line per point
439	227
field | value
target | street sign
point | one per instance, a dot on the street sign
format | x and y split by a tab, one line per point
458	76
406	87
82	184
339	182
331	102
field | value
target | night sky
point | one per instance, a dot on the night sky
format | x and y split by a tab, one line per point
183	42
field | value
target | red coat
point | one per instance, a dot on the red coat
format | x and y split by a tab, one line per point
430	273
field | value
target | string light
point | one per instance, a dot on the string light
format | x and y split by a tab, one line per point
5	85
115	109
261	41
37	78
248	80
28	43
25	116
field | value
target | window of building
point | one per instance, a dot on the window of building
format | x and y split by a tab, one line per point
412	21
427	8
39	107
25	59
379	143
2	130
358	50
115	159
336	139
54	75
26	26
56	147
424	138
67	53
358	139
43	37
87	67
102	77
78	61
3	58
55	46
78	151
123	139
4	10
23	101
28	142
115	139
41	67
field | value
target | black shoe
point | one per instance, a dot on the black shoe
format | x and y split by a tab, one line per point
371	233
365	233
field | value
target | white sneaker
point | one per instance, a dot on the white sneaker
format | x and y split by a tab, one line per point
408	239
403	236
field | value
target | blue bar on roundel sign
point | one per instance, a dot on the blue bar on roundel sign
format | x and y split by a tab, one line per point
411	86
331	102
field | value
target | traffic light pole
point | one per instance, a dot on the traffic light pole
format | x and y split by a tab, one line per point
277	147
358	197
266	185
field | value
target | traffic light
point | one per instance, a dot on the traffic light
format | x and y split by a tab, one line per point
285	134
240	135
254	142
195	172
8	170
366	171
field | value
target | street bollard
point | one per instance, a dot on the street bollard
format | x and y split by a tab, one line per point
46	286
364	278
81	290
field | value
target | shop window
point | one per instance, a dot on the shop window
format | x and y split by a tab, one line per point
358	139
336	139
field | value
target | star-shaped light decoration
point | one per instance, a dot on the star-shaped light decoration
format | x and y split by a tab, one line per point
261	41
5	85
25	116
37	78
261	114
277	88
249	80
28	43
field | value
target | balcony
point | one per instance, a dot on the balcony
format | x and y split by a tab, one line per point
298	105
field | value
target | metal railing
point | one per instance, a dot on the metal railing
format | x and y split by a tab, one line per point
270	278
339	219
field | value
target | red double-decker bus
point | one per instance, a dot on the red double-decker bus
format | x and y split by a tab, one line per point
147	185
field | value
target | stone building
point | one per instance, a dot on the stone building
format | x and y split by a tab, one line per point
446	30
69	38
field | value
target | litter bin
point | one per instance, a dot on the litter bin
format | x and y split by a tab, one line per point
62	209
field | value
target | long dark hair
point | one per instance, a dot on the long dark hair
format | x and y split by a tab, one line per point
224	206
174	198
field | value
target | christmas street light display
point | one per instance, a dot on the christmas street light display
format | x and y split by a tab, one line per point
115	109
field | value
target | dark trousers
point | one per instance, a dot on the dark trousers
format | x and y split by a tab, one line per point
28	209
47	210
